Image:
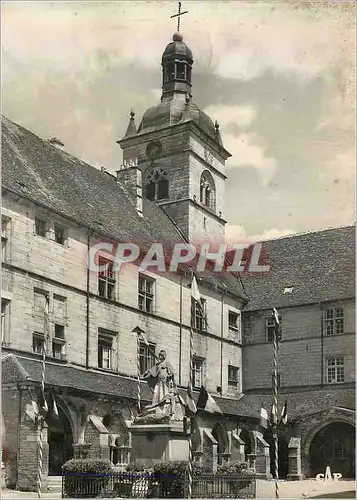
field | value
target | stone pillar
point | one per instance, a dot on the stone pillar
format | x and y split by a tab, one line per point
28	456
81	450
251	458
237	448
295	472
262	462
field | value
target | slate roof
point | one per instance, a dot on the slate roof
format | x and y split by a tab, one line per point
44	174
320	266
22	368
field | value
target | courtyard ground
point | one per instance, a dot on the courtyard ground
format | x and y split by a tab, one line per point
309	488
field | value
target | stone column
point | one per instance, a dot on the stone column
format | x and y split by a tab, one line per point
81	450
262	461
295	472
28	456
237	448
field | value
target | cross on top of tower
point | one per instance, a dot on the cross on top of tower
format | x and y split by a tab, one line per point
178	15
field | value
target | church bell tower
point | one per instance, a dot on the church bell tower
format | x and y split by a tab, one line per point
179	151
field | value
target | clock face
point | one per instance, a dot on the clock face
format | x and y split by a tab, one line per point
154	150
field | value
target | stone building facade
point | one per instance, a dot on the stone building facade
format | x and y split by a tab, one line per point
312	286
170	189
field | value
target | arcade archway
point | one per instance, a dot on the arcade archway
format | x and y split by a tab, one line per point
60	441
334	446
283	453
220	435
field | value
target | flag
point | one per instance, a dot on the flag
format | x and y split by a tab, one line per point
195	293
43	404
47	306
206	402
284	413
264	418
33	403
145	340
190	405
35	407
54	406
276	316
273	415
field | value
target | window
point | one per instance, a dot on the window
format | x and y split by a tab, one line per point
146	294
106	280
147	356
157	184
39	303
58	349
59	331
40	227
334	321
5	225
233	377
5	323
105	348
273	381
200	315
338	449
59	309
169	72
181	71
207	190
60	234
234	324
269	329
197	372
38	343
335	370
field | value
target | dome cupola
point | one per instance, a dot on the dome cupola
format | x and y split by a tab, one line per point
176	64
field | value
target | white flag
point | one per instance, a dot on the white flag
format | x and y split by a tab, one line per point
276	316
47	305
54	407
145	340
195	293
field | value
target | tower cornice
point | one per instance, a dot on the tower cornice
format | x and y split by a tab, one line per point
172	129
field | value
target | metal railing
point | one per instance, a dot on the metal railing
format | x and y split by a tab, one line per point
148	485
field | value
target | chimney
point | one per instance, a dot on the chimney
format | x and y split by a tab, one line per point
130	177
56	142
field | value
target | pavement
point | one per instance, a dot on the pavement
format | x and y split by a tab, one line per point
308	488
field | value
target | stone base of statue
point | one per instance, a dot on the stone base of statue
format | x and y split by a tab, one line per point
153	443
158	434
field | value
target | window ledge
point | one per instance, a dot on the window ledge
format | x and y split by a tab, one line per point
105	370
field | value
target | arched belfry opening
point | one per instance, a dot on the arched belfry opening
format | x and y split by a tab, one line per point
207	190
333	445
60	441
157	184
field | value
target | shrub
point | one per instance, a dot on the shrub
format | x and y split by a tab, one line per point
86	477
171	477
234	470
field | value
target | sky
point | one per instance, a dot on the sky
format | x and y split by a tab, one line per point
278	76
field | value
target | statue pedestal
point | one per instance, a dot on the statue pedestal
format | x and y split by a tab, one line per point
153	443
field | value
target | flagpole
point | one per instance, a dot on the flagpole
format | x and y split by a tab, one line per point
138	372
139	332
190	387
275	398
41	417
190	454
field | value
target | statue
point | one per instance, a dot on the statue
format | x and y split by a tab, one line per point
166	402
